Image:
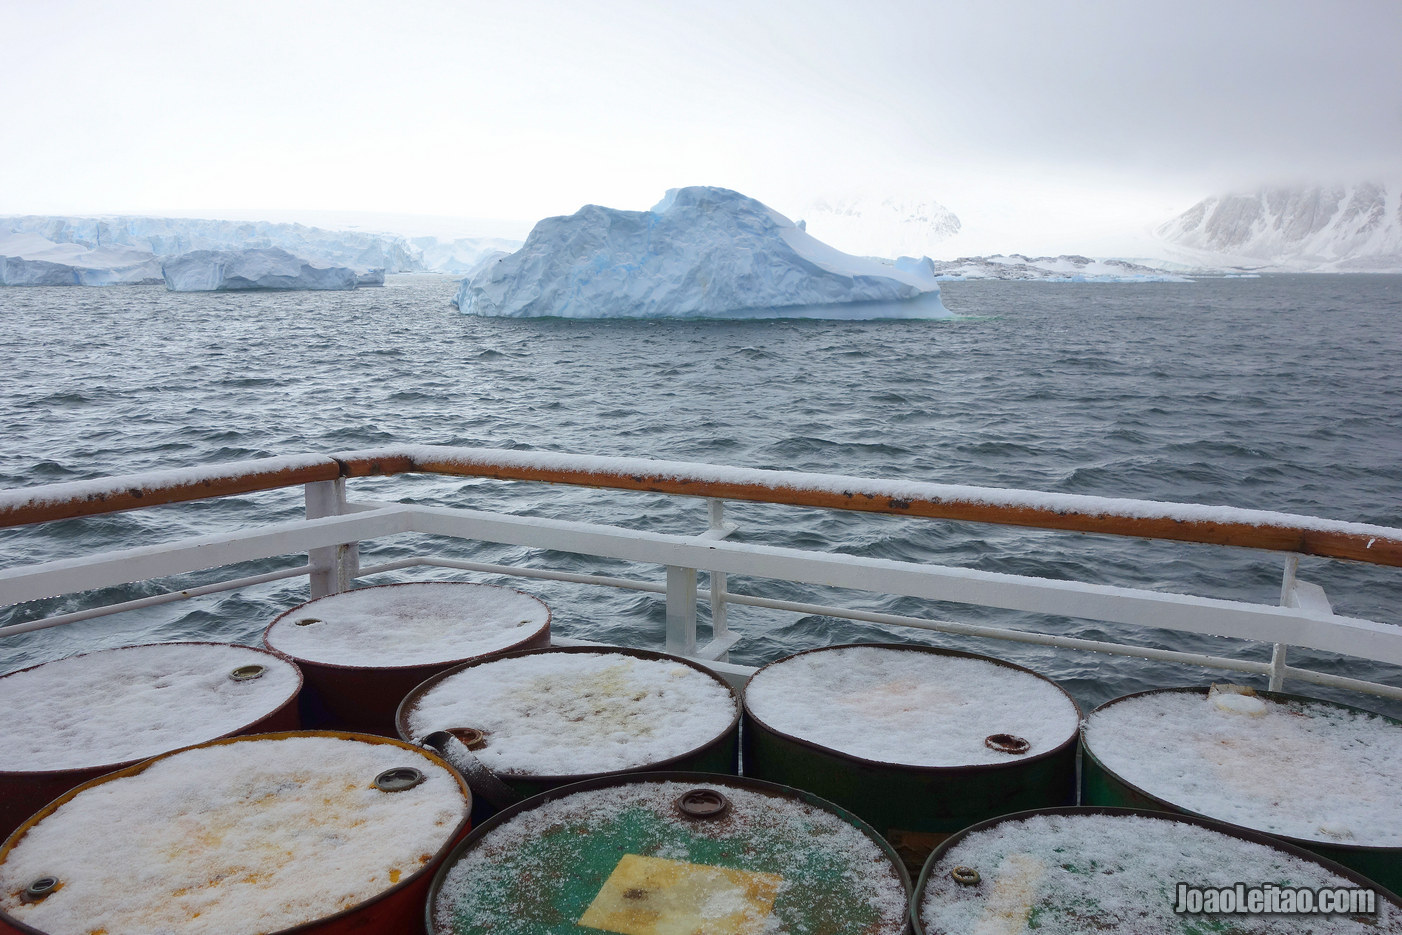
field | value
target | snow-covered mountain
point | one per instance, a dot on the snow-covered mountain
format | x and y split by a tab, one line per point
700	253
1323	228
871	225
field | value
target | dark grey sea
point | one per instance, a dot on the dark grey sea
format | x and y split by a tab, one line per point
1281	392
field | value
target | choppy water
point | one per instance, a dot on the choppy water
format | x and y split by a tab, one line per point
1278	393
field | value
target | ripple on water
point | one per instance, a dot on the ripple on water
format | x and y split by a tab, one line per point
1160	391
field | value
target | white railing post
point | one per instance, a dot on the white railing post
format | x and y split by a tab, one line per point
335	566
720	629
1287	599
681	610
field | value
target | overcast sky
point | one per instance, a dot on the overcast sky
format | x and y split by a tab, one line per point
1047	127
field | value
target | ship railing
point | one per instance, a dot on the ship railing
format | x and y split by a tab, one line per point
334	526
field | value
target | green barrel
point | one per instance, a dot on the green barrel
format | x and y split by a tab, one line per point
1279	782
1006	737
594	711
1116	871
671	852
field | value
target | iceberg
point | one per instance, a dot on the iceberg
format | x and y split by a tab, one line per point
28	259
702	252
259	269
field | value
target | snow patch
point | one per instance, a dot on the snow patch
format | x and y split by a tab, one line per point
127	704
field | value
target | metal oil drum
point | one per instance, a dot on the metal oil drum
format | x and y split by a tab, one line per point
658	853
312	832
538	719
71	720
363	650
1316	774
1114	871
918	741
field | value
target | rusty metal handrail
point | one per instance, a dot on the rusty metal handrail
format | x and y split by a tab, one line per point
1072	513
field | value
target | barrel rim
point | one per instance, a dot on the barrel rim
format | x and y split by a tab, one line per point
541	632
401	721
16	774
1173	808
685	777
1211	824
451	840
1059	750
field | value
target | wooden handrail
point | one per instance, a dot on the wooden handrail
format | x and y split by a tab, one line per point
1137	518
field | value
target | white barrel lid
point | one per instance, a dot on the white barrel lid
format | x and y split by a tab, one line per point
236	837
912	707
1075	873
573	713
413	624
121	705
1303	769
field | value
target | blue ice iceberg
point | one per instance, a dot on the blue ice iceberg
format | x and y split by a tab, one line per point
700	253
241	270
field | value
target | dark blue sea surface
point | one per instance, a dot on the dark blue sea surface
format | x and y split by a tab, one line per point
1278	393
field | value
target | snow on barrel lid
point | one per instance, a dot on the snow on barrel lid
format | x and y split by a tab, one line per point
1305	769
126	704
678	853
418	623
249	835
573	712
1072	872
913	706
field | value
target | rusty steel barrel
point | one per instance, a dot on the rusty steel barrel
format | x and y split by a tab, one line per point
538	719
74	719
363	650
918	741
1319	775
312	832
1115	871
671	852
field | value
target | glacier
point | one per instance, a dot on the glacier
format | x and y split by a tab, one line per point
1307	228
702	252
166	237
241	270
27	259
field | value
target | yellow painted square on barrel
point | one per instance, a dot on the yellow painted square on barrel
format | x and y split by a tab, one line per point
653	896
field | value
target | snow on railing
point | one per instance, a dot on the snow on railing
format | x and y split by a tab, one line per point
1216	525
333	528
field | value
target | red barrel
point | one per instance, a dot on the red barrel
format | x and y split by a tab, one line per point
364	650
310	831
77	718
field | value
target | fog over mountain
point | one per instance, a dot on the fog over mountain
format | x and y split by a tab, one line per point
1314	228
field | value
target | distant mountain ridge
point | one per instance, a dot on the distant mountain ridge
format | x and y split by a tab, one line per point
1322	228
